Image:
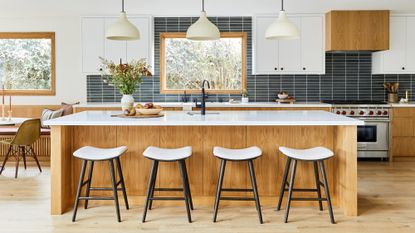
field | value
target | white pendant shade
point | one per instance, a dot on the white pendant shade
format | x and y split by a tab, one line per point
122	29
203	29
282	28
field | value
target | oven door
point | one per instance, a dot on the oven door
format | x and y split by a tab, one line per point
373	135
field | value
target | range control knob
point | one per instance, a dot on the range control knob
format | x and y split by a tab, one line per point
385	113
371	113
344	113
362	113
379	113
352	112
338	112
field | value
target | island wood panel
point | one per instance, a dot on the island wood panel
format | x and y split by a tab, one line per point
203	167
62	192
345	168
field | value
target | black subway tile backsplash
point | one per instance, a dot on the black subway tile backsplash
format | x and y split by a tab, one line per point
348	74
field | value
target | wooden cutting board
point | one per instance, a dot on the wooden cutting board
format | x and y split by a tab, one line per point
285	101
138	116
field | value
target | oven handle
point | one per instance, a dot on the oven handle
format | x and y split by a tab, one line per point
374	120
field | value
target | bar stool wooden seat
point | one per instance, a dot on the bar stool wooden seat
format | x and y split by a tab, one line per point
237	155
157	154
316	155
93	154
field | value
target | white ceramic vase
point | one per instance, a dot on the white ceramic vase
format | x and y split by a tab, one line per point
127	102
245	100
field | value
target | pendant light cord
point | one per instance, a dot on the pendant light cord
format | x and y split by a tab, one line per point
123	6
282	5
203	5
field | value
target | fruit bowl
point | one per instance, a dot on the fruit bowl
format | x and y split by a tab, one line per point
148	109
283	95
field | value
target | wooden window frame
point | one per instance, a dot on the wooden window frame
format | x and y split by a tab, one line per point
35	35
167	35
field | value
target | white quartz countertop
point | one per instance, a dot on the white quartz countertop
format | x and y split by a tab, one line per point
213	118
216	104
407	105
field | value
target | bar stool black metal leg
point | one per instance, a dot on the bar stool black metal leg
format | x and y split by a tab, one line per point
290	190
255	189
150	187
326	188
185	190
150	206
219	188
78	192
88	186
188	186
284	182
115	189
121	177
23	149
6	158
17	164
320	204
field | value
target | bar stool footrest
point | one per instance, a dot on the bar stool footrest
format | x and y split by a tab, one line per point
237	190
303	190
103	189
168	189
167	198
307	199
237	198
97	198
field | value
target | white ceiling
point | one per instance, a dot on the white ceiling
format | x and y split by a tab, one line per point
18	8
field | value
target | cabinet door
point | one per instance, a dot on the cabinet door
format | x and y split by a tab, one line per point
265	51
410	44
395	57
289	52
92	30
312	45
141	48
114	49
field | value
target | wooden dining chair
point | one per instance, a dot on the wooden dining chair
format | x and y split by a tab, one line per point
21	144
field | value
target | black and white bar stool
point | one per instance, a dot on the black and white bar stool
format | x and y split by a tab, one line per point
316	155
237	155
92	154
179	155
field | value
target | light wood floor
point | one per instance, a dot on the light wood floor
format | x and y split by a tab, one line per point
386	203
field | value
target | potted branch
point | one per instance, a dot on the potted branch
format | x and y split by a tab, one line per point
245	98
125	77
392	89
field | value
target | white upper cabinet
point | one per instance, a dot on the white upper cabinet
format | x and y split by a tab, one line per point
95	45
400	58
93	32
305	55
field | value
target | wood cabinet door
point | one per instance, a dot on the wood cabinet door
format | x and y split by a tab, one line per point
410	44
265	56
93	32
312	45
141	48
395	57
114	49
289	52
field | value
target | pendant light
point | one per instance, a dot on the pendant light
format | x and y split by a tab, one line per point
203	29
282	27
122	29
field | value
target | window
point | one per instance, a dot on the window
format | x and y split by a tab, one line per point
27	63
184	64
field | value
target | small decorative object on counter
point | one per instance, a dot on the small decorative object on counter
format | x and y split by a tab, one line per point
149	109
125	77
392	88
283	97
406	99
245	98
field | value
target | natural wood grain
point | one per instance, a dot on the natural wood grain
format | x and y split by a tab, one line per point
345	168
357	30
402	133
61	169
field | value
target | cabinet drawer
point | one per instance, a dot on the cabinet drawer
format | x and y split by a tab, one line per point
403	112
403	126
403	146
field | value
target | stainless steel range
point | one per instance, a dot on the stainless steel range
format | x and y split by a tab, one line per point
373	136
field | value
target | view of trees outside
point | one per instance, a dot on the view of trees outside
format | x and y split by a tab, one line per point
25	64
188	63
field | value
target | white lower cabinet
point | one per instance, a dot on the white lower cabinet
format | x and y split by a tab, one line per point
95	45
305	55
400	58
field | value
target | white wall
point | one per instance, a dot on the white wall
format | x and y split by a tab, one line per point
63	17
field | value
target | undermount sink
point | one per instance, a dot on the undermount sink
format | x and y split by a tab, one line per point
199	113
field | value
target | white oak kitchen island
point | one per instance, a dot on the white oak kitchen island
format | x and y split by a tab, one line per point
234	129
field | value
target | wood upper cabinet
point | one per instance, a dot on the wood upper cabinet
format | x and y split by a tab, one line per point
357	30
95	45
305	55
400	58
